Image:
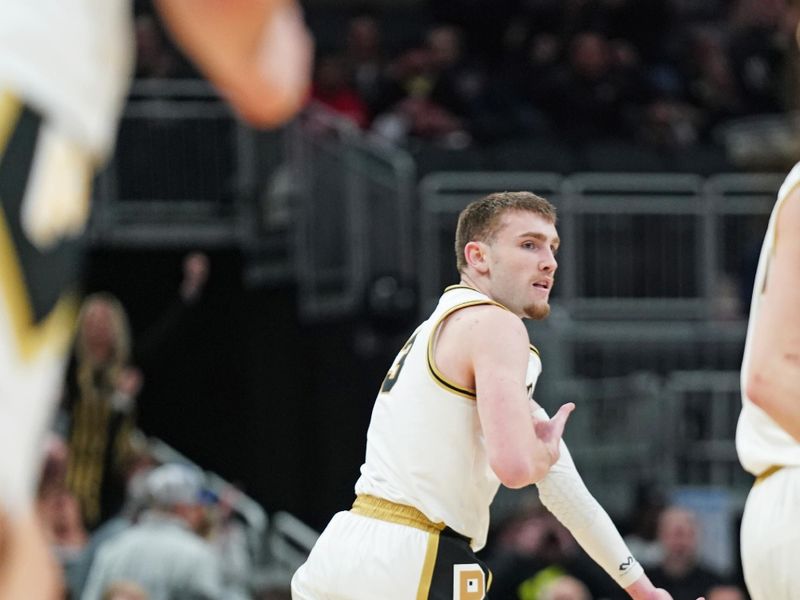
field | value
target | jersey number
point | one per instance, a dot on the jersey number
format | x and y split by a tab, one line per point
394	372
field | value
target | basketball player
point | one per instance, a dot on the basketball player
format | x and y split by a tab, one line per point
454	419
768	432
64	72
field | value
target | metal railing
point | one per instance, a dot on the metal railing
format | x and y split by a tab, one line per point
355	213
655	246
672	432
182	173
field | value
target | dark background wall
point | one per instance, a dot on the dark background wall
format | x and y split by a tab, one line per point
247	390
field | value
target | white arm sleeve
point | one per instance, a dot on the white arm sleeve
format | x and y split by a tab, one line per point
565	495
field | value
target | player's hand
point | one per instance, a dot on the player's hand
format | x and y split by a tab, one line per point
195	274
661	594
550	431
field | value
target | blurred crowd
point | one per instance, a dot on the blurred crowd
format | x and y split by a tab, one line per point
664	72
126	520
534	557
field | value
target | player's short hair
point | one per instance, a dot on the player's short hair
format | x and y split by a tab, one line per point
480	220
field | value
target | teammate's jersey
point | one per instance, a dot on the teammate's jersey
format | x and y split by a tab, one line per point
760	441
71	61
425	446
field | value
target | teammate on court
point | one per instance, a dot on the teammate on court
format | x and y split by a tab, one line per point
455	418
64	71
768	432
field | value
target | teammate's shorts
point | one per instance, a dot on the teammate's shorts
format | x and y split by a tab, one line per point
364	558
770	537
44	197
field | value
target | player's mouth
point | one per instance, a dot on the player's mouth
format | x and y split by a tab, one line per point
543	284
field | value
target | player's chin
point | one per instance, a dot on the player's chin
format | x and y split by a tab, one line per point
538	310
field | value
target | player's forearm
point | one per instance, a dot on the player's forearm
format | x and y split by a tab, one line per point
256	52
519	459
565	495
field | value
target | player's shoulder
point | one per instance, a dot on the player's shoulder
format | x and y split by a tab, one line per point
488	320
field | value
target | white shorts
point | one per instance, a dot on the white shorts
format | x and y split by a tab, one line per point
44	190
770	537
362	558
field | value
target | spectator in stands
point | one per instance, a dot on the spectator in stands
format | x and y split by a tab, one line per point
364	57
725	591
710	80
125	591
98	408
332	88
99	399
761	41
163	552
409	107
532	548
59	511
154	57
680	571
641	537
565	587
588	97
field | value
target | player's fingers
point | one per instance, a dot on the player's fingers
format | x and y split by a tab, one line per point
559	421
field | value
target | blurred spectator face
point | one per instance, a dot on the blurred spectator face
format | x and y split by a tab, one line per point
98	330
565	588
677	533
761	13
444	44
589	55
331	75
363	37
124	591
414	63
725	592
544	49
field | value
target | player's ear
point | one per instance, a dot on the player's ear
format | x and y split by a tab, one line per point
475	254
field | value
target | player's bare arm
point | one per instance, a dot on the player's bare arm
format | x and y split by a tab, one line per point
257	52
486	348
773	382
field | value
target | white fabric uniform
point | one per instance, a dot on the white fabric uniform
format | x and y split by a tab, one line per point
770	536
69	61
425	449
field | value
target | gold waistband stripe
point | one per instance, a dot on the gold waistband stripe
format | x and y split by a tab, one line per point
766	473
386	510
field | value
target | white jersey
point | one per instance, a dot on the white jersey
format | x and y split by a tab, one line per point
760	441
425	446
71	61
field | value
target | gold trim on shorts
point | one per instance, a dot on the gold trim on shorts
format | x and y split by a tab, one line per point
428	565
766	473
386	510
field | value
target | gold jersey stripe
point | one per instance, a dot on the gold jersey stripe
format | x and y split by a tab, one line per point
10	109
437	375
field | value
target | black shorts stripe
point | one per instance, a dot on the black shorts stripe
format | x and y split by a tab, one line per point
455	560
